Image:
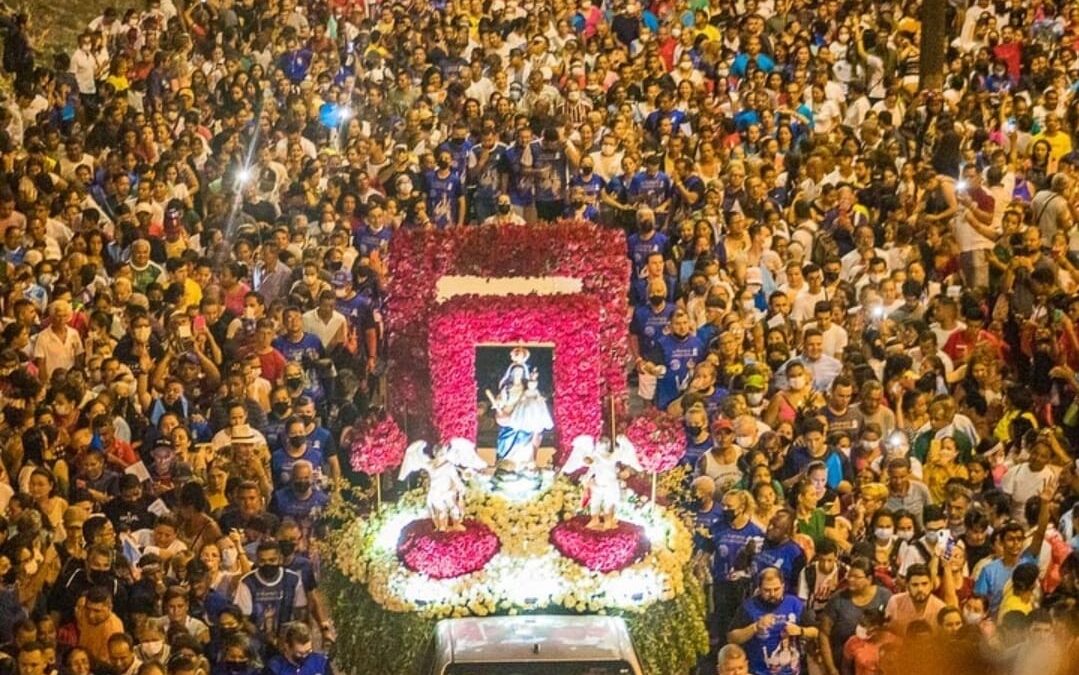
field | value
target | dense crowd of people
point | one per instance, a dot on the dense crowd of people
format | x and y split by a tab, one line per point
859	294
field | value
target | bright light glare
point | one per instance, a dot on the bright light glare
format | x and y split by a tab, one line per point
390	532
243	176
345	113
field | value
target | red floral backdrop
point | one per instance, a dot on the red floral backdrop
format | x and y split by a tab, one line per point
418	259
569	322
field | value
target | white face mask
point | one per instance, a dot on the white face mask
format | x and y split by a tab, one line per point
861	632
754	397
796	382
744	441
972	617
152	647
327	227
228	558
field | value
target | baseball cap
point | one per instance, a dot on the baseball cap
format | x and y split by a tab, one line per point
755	382
722	424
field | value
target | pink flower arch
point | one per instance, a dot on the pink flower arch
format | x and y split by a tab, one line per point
419	258
568	322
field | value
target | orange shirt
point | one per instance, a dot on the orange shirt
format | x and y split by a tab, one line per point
95	639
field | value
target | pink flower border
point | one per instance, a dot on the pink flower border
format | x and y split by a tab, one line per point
660	439
446	555
419	258
378	446
571	323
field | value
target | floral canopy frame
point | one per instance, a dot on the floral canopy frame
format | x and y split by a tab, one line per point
431	378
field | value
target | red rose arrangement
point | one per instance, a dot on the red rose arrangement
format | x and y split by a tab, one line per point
600	550
445	555
378	446
659	438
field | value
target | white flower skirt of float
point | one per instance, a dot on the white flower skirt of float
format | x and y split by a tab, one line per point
527	530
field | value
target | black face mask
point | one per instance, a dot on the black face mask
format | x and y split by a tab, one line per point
586	171
287	547
729	515
279	408
656	300
308	419
301	487
235	666
695	430
503	208
457	142
296	442
333	265
830	277
99	577
294	382
647	226
700	290
268	571
443	165
577	203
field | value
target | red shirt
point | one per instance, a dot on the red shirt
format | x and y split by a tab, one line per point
959	346
273	366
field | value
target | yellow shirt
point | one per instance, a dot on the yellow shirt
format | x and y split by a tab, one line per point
1013	603
1060	143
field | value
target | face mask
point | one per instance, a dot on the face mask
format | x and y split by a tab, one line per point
442	164
700	290
235	667
333	265
871	445
656	300
754	397
503	209
586	171
884	533
730	515
296	442
861	632
573	96
46	279
694	430
577	203
972	618
287	548
268	571
327	226
152	647
301	486
744	441
749	305
647	226
294	382
830	277
229	556
279	408
905	535
931	537
796	382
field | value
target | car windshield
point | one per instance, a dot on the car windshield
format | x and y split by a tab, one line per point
561	668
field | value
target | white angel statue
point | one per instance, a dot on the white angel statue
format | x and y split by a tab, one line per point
603	491
445	490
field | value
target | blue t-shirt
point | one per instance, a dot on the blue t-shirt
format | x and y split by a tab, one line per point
771	652
707	522
694	451
592	186
305	352
788	558
286	504
459	152
551	168
281	464
994	576
729	542
488	180
521	187
366	239
442	198
640	248
679	356
648	325
650	190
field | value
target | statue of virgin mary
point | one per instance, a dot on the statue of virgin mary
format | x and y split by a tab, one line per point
521	413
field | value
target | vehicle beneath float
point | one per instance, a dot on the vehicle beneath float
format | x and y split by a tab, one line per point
531	645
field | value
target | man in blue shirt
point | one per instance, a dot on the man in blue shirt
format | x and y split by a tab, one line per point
646	240
298	656
445	194
780	551
771	627
994	576
295	449
460	149
517	162
676	353
484	178
649	321
301	500
651	188
299	346
754	55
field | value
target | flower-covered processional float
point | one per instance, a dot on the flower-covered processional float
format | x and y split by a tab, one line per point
484	531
